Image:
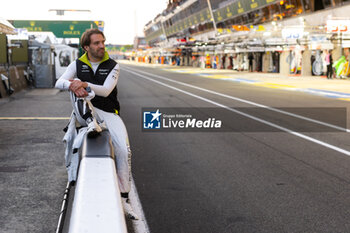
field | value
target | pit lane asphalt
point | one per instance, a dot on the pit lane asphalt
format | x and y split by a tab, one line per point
258	180
32	170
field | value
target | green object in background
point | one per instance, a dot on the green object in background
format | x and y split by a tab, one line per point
339	65
3	49
340	68
337	62
239	7
61	29
20	54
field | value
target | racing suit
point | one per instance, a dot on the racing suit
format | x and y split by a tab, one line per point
102	78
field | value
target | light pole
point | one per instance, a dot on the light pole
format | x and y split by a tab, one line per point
212	15
161	22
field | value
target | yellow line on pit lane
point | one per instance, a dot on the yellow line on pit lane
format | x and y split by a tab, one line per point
34	118
216	76
273	85
345	99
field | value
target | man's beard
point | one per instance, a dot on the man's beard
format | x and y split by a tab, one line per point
97	54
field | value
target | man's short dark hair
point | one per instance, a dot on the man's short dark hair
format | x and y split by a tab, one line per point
86	37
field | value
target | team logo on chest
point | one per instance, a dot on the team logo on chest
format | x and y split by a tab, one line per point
103	71
85	68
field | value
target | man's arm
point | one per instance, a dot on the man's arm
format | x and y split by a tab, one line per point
67	82
64	81
108	85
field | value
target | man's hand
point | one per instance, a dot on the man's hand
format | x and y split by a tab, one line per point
78	87
81	92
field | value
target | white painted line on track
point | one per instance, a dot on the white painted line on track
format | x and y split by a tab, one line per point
140	226
338	149
34	118
244	101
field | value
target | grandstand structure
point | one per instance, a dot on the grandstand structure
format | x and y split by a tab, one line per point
283	35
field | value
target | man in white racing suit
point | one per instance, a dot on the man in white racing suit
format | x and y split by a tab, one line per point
95	70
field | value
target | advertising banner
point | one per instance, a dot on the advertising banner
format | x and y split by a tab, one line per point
338	26
240	7
61	29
